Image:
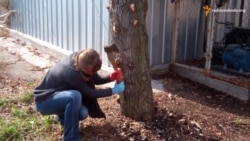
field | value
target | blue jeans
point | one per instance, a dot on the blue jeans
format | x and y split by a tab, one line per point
68	106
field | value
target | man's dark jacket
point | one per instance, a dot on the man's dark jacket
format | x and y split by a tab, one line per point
63	76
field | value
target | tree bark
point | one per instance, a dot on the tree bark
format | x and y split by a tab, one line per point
128	30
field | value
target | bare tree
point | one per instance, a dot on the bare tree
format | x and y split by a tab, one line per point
130	46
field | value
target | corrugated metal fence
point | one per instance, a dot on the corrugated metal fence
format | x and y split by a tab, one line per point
70	25
77	24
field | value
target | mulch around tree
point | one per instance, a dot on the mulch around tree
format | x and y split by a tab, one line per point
185	111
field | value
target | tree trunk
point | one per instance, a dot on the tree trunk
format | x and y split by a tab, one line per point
128	29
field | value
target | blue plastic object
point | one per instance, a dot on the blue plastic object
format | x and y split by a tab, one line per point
236	57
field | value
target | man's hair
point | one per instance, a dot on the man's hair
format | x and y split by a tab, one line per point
88	58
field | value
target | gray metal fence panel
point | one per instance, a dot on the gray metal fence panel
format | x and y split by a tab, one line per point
246	15
189	44
159	27
69	25
78	24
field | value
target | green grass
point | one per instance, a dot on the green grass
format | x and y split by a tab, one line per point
3	102
242	120
18	129
31	83
23	123
9	131
19	113
26	97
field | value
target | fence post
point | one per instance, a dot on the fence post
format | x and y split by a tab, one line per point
210	39
175	31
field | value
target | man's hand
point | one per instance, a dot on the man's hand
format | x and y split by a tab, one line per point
118	88
116	75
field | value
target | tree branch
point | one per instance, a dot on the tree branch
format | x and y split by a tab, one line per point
6	16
